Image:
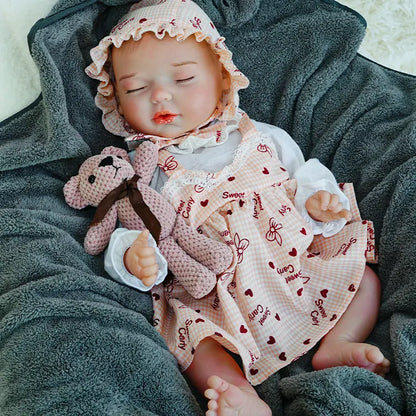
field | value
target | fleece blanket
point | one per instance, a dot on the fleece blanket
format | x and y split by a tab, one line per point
75	342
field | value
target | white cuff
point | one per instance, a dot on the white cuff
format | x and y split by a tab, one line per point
120	241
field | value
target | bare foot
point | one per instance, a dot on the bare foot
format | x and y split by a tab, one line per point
333	354
225	399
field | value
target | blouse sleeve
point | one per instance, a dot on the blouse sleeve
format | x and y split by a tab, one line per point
311	176
120	241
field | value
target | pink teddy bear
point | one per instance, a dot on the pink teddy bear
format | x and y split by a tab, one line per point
110	182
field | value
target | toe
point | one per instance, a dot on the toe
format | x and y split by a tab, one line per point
211	394
217	383
375	356
212	405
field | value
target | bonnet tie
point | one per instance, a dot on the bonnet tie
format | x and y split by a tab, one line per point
129	188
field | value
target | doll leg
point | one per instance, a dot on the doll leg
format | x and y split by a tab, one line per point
216	374
343	345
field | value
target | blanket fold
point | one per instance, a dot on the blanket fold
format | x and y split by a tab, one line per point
75	342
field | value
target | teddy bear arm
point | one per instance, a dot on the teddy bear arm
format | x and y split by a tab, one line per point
215	255
99	235
197	280
145	161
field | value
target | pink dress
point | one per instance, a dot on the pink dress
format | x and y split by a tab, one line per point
285	289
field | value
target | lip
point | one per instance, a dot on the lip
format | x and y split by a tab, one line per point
164	117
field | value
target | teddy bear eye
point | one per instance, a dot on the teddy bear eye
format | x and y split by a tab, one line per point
91	179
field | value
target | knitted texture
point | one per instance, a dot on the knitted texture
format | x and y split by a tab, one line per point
194	259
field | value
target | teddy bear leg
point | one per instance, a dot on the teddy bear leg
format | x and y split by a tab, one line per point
197	280
215	255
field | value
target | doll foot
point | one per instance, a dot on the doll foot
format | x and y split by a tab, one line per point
351	354
225	399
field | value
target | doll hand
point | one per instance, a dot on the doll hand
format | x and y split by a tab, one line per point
325	207
140	260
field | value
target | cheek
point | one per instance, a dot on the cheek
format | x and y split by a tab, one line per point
132	110
203	100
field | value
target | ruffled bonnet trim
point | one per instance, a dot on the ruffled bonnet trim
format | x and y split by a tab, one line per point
175	18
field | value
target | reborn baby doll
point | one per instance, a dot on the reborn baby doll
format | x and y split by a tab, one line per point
298	274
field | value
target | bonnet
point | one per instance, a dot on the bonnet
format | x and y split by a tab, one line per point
179	19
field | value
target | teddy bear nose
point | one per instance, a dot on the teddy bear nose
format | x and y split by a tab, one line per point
107	161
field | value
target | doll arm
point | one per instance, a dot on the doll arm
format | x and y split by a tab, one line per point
326	207
311	177
140	259
121	240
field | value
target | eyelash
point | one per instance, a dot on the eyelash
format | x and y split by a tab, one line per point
135	90
179	81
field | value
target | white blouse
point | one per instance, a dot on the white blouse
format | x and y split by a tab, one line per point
311	176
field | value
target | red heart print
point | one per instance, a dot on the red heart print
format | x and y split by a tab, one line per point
249	292
282	356
204	203
229	212
293	252
271	340
310	255
199	320
156	296
243	329
333	317
277	317
271	265
266	171
241	202
324	293
351	288
253	371
307	341
143	20
299	292
303	231
231	178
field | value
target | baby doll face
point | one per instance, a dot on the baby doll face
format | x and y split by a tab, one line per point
165	87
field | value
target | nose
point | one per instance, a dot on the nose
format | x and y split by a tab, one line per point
160	94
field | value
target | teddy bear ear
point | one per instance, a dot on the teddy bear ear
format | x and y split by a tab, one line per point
116	151
73	195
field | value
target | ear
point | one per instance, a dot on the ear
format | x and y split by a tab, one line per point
72	194
116	151
145	161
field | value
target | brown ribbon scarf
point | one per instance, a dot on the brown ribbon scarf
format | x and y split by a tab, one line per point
129	188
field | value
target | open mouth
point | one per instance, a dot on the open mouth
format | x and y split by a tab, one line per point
164	117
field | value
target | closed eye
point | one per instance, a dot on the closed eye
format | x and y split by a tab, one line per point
135	90
183	80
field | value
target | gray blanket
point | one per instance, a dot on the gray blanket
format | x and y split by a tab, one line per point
75	342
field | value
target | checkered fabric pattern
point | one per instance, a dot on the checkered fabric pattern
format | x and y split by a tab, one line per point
285	288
